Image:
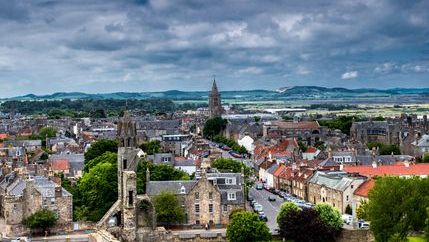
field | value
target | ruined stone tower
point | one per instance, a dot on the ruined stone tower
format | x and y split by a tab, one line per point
127	179
215	106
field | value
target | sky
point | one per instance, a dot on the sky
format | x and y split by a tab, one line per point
99	46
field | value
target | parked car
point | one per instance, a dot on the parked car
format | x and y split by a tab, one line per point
262	216
250	198
364	225
271	198
347	219
259	186
252	203
258	207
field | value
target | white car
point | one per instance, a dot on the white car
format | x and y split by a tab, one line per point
258	207
347	219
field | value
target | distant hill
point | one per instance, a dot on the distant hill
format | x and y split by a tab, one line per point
294	93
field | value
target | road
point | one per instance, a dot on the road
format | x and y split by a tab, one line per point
270	208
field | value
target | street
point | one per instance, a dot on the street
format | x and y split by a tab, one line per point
270	208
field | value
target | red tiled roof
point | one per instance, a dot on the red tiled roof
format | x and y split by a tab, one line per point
60	165
3	136
311	149
279	170
390	170
364	188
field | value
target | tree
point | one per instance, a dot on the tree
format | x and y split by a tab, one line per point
227	164
397	206
99	148
151	147
343	123
214	126
47	132
305	225
96	192
42	219
246	226
385	149
329	215
168	209
285	208
361	211
107	157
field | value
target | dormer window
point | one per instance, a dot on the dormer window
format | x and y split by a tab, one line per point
182	190
229	181
231	196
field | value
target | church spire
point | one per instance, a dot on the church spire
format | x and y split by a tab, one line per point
215	106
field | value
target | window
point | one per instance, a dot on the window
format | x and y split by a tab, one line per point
182	190
231	196
124	165
210	208
197	208
351	186
347	198
130	198
229	181
225	208
197	196
210	195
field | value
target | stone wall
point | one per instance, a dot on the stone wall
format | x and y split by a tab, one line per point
361	235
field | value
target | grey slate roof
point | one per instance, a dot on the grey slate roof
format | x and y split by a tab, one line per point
156	187
337	181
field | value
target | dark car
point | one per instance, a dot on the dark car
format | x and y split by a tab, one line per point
250	198
262	216
271	198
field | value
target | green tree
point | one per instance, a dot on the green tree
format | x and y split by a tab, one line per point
246	226
343	123
107	157
385	149
397	206
227	164
96	192
168	209
285	208
99	148
47	132
42	219
361	210
329	215
213	127
151	147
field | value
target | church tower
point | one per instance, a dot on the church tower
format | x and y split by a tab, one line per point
215	106
127	179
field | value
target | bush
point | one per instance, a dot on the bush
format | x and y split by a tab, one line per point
42	219
285	208
245	227
329	215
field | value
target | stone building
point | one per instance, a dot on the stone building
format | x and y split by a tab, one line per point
376	131
334	188
209	199
20	197
215	104
309	131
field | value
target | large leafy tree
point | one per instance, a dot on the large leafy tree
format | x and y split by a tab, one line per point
168	209
108	157
227	164
246	226
151	147
304	225
385	149
329	215
47	132
96	192
397	206
285	208
213	127
100	147
42	219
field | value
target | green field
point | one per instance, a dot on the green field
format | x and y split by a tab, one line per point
416	239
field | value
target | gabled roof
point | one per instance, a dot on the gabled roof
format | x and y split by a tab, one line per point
364	188
60	165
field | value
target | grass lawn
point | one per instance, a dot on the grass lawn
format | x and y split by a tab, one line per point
416	239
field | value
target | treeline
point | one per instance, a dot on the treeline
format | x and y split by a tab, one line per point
96	108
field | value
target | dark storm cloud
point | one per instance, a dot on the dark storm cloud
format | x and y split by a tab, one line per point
132	45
